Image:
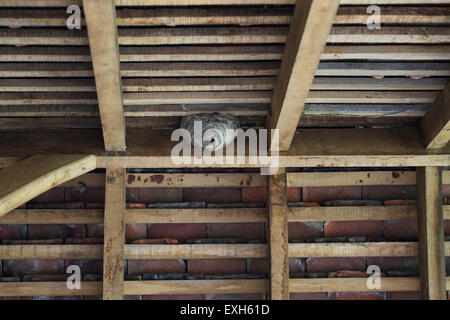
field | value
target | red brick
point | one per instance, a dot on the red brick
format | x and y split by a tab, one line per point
86	266
400	203
216	195
90	194
156	241
19	268
95	205
403	295
353	229
174	297
254	195
248	231
335	264
138	267
447	228
56	205
308	296
297	265
51	196
52	231
321	194
446	190
404	229
136	205
238	296
135	231
259	266
294	194
28	242
395	263
45	277
356	296
305	230
154	195
389	193
94	230
179	231
217	266
84	241
13	231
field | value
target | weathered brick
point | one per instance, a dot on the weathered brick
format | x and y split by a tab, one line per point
388	203
51	196
83	240
447	228
403	295
86	266
28	242
52	231
174	297
254	195
356	296
154	195
335	264
54	205
138	267
216	195
135	231
249	231
404	229
321	194
395	263
238	296
179	231
305	230
259	266
294	194
19	268
446	190
94	230
82	194
45	277
353	229
13	231
297	265
95	205
217	266
389	193
308	296
136	205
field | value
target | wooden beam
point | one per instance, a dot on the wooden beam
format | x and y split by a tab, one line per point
277	228
435	125
113	256
307	36
102	32
431	233
29	178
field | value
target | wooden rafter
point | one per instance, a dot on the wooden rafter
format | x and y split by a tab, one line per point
307	37
435	126
431	233
29	178
113	256
278	246
102	32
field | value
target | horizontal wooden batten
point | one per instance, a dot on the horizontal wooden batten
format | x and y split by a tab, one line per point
225	53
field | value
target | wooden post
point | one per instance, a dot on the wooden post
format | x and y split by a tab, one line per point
114	239
278	237
431	233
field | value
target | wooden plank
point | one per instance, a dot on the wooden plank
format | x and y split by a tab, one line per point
114	238
53	216
196	251
435	126
391	35
432	250
277	227
102	31
306	40
195	180
67	251
30	177
361	178
354	112
29	289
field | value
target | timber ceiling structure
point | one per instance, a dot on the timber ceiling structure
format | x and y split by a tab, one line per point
343	91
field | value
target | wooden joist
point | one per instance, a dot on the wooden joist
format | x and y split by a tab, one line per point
432	250
435	125
114	238
29	178
102	31
278	242
306	40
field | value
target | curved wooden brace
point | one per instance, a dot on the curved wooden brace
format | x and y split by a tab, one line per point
33	176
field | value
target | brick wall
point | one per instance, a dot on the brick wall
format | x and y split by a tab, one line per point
93	197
